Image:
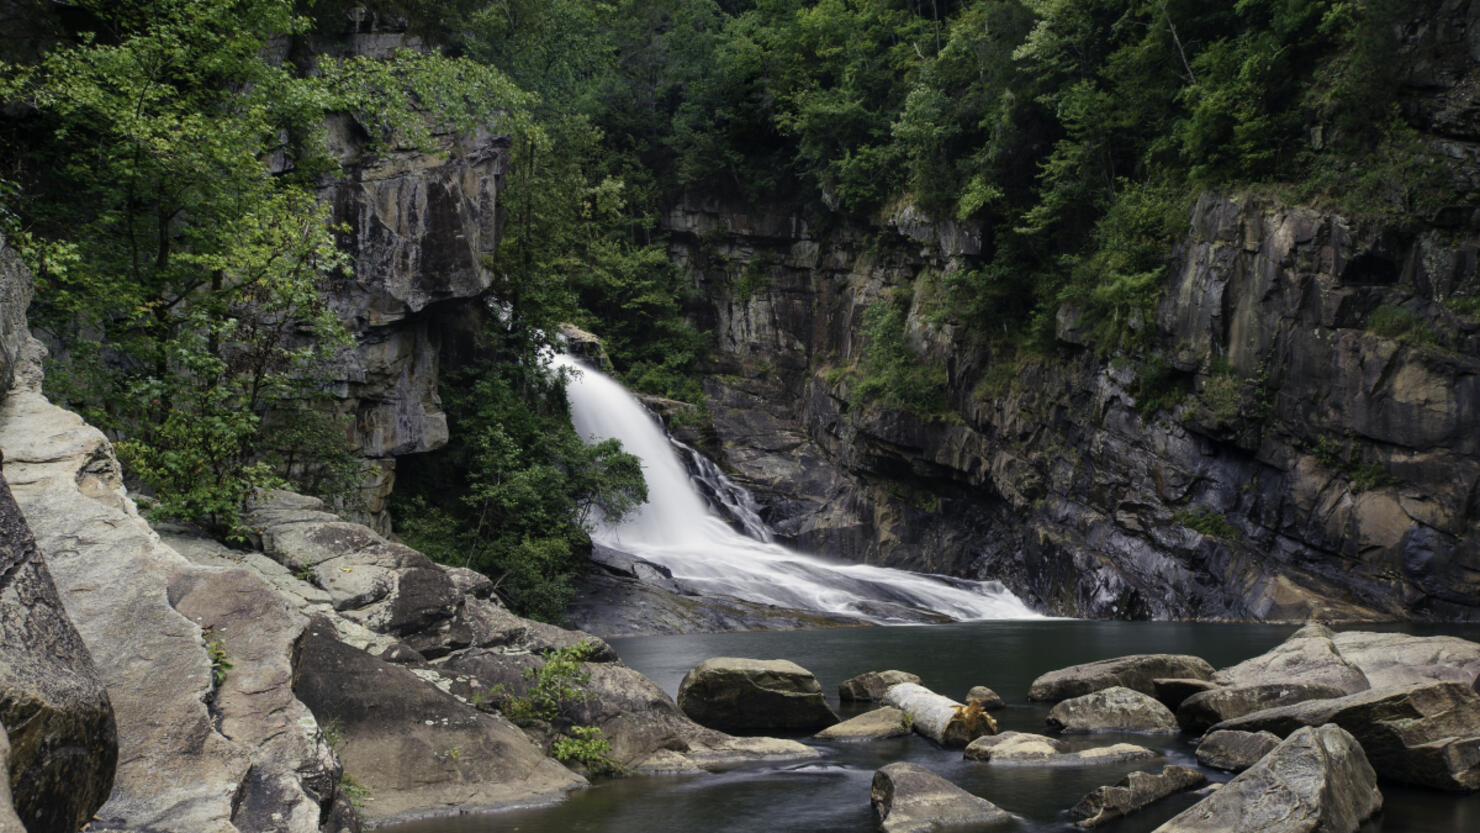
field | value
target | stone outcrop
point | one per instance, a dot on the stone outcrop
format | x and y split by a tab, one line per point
885	722
1115	709
178	770
1427	734
1134	792
1317	780
62	742
871	685
1235	751
1138	672
730	693
1327	457
908	798
1040	750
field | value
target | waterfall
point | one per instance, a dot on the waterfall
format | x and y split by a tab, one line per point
677	530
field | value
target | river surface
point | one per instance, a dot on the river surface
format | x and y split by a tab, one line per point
832	793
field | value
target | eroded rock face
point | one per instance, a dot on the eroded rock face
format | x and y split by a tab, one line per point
63	744
1114	709
1207	708
1054	482
908	798
1138	672
1134	792
1316	780
732	694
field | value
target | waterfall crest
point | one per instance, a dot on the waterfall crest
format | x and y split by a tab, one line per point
677	530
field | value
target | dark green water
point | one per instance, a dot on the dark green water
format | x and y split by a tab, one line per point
831	793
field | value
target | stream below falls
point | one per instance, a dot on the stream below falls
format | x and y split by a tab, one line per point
832	793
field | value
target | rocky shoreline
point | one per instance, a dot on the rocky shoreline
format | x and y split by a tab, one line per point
1312	729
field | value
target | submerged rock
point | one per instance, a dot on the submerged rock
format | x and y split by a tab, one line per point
1138	672
886	722
1024	748
1233	750
1114	709
908	798
736	694
871	685
1318	779
1132	793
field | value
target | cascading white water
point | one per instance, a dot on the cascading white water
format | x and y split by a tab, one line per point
676	529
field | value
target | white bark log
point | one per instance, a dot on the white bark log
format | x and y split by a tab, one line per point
934	716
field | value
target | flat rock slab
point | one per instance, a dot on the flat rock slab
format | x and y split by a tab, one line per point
1318	779
887	722
1309	658
414	746
1040	750
1235	751
1132	793
1427	735
1115	709
871	685
1203	710
1138	672
908	798
737	694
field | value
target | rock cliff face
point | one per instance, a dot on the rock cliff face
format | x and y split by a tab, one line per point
1320	457
1332	469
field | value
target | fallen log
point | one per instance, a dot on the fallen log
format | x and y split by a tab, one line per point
940	718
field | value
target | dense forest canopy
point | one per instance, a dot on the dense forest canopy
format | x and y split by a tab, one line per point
160	162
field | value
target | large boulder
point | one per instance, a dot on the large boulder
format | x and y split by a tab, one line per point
1207	708
63	744
908	798
1399	659
1233	750
736	694
9	821
886	722
415	747
1427	735
1134	792
1318	779
1173	691
1039	750
1115	709
1309	657
871	685
1137	672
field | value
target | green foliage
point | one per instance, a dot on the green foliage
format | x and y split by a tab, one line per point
216	653
1158	387
1345	458
530	486
1466	305
586	746
356	793
1228	396
1401	324
891	373
169	215
1207	521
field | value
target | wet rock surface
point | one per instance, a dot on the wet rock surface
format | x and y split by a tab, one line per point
871	685
735	694
1235	751
1318	779
1115	709
1138	672
908	798
1040	750
1134	792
